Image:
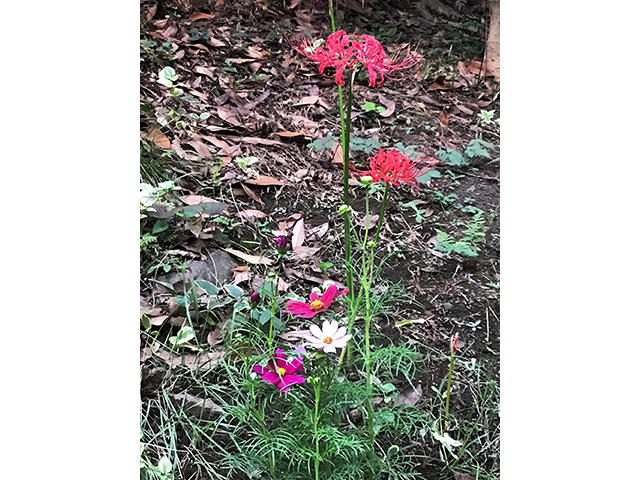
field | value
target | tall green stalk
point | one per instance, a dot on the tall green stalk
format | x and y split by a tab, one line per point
332	15
446	408
317	386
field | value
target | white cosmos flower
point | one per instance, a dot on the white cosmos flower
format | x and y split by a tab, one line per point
331	336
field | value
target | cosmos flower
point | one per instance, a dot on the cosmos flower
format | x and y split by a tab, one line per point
331	336
344	51
393	167
316	304
281	373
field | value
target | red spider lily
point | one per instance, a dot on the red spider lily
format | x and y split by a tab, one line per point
281	373
372	56
353	51
393	167
317	304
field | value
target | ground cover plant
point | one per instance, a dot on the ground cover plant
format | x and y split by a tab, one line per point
319	271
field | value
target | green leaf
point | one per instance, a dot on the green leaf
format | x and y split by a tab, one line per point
166	268
208	287
267	288
164	465
452	157
325	265
369	106
234	291
428	176
167	76
144	320
265	316
185	334
205	115
182	300
160	225
322	143
209	208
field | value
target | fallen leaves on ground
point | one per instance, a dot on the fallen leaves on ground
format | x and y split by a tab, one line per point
253	259
156	136
192	360
297	239
251	193
251	215
264	180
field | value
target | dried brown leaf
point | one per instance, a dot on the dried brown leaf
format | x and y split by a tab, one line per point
316	233
307	101
196	199
253	259
208	71
264	180
444	118
239	61
251	193
302	253
250	215
294	335
191	360
337	153
256	53
201	148
201	16
157	137
297	239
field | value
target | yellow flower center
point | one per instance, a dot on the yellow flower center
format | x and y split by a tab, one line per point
282	371
327	340
316	305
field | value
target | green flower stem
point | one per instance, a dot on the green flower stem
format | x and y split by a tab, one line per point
383	208
274	305
332	15
446	408
317	386
345	121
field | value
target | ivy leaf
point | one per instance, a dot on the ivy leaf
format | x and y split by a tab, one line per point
160	225
167	76
475	149
322	143
428	176
234	291
208	287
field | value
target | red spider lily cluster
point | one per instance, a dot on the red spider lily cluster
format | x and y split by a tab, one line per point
393	167
353	52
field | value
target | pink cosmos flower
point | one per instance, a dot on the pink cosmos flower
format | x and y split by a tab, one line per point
353	52
393	167
331	336
316	304
281	373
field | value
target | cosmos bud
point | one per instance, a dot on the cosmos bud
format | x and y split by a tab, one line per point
282	244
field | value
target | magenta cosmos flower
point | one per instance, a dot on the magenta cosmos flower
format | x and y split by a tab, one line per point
316	304
331	336
344	51
281	373
393	167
